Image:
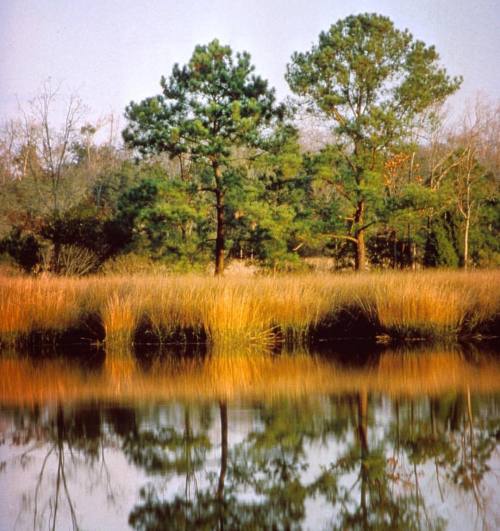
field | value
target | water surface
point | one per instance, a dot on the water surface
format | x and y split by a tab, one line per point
398	439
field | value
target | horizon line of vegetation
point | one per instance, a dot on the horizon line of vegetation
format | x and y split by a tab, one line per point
359	167
241	311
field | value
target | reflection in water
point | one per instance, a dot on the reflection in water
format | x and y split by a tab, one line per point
305	443
256	374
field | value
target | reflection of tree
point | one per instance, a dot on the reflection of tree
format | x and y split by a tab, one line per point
165	450
58	449
223	452
449	436
204	510
70	438
373	477
261	481
271	461
367	501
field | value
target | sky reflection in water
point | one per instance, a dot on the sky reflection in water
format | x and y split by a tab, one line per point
406	440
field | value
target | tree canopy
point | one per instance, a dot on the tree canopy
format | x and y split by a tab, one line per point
215	169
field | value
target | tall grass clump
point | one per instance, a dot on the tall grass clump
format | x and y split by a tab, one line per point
38	306
120	315
258	310
173	307
232	313
435	304
425	308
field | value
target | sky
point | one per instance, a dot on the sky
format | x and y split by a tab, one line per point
110	52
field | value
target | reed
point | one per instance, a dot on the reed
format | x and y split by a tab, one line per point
259	309
428	308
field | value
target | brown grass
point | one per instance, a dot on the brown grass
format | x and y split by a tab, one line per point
259	309
253	375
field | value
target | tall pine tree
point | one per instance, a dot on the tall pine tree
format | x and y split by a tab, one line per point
207	112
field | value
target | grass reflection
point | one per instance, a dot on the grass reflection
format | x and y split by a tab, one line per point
226	375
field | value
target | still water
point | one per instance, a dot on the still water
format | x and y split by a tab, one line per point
396	439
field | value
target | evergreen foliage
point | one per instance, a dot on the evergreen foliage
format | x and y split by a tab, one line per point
209	110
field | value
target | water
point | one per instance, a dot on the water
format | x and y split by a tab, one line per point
401	440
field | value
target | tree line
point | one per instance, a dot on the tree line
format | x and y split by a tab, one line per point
358	167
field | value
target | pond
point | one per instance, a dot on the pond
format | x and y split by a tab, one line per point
337	439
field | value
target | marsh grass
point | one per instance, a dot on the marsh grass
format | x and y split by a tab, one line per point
425	309
264	310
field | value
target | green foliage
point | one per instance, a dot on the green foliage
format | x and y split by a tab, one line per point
163	220
373	81
371	78
207	107
485	243
440	248
270	220
236	183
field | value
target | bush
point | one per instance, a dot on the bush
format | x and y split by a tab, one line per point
24	249
439	249
72	261
132	264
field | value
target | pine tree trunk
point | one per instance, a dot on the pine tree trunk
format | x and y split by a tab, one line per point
360	262
219	205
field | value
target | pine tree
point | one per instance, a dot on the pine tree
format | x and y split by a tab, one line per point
208	110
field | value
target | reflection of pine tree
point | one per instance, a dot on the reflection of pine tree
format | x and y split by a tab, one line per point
207	509
373	480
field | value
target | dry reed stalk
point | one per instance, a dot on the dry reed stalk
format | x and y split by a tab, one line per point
175	307
120	316
29	305
405	308
232	313
15	317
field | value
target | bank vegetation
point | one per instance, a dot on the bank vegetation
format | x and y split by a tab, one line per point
265	310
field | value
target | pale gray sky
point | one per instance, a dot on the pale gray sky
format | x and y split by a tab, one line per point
114	51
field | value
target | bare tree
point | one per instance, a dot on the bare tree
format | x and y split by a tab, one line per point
51	144
51	159
478	158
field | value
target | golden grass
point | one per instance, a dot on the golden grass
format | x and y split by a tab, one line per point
28	305
426	308
120	315
235	310
253	375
